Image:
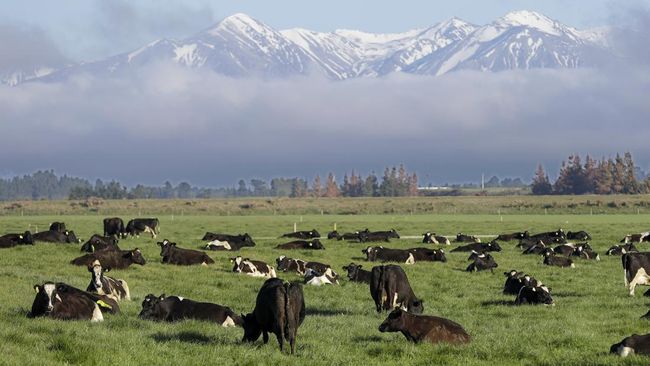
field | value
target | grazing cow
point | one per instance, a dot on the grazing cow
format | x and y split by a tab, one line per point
365	236
534	295
64	302
116	259
58	226
516	280
11	240
428	254
56	237
137	226
314	278
356	274
492	246
432	238
482	262
622	249
390	289
513	236
105	285
550	259
176	308
171	254
639	344
302	244
114	226
382	254
636	267
419	328
279	309
636	238
285	264
252	267
311	234
578	235
98	242
464	238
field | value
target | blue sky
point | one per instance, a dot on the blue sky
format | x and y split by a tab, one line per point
89	29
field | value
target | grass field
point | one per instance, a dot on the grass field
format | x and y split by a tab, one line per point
593	309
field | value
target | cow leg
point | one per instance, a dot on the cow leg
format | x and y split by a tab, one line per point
280	337
292	343
265	336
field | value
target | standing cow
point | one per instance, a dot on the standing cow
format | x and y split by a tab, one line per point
114	226
390	289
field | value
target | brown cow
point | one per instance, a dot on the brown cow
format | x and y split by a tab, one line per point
418	328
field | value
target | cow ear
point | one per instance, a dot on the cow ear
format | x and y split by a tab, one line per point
37	288
107	269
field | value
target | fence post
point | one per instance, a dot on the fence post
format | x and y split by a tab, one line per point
295	227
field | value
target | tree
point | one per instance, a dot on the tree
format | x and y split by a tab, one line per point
184	190
370	186
541	184
316	189
493	182
242	190
259	187
413	185
331	188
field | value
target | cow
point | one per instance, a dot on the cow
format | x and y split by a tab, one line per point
116	259
315	278
51	236
286	264
634	344
252	267
58	226
636	267
171	254
539	248
118	289
390	289
365	236
176	308
622	249
356	274
565	249
382	254
513	236
428	254
353	236
464	238
550	259
333	235
228	242
11	240
492	246
419	328
114	226
534	295
636	238
516	280
559	233
137	226
584	251
64	302
578	235
98	242
432	238
279	309
482	262
302	244
311	234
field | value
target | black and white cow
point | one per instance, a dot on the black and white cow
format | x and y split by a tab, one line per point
559	233
550	259
538	248
286	264
492	246
578	235
636	238
534	295
372	236
356	274
353	236
252	267
584	251
98	242
432	238
114	226
382	254
302	244
116	259
516	280
228	242
51	236
171	254
136	227
464	238
176	308
636	267
311	234
513	236
428	254
314	278
64	302
634	344
622	249
11	240
105	285
482	262
390	289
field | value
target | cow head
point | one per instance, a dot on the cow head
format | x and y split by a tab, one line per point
252	329
353	270
283	263
494	246
166	247
371	253
523	235
97	273
44	300
247	240
71	237
316	244
439	255
27	238
237	263
314	233
136	256
393	234
150	306
395	321
333	235
542	295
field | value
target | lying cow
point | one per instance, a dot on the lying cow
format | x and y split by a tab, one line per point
114	226
534	295
98	242
492	246
464	238
279	309
356	274
64	302
11	240
424	328
539	248
432	238
171	254
390	289
118	289
428	254
550	259
636	238
559	233
513	236
58	226
636	267
311	234
51	236
365	236
116	259
622	249
634	344
136	227
228	242
516	280
314	278
353	236
584	251
252	267
176	308
302	244
382	254
578	235
299	266
482	262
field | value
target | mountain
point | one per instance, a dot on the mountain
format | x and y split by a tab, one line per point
240	46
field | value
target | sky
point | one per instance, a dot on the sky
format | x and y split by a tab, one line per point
172	123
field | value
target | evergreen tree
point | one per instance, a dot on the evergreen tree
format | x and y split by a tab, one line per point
541	184
331	188
316	189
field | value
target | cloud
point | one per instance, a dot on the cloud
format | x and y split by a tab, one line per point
27	48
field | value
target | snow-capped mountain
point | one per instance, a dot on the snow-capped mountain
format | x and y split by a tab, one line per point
240	46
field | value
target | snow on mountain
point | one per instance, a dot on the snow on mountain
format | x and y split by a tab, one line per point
241	46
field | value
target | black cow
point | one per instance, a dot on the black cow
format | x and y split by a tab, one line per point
482	262
639	344
356	274
578	235
137	226
559	233
382	254
252	267
622	249
513	236
365	236
516	280
56	237
428	254
550	259
116	259
64	302
565	249
286	264
279	309
228	242
58	226
636	267
464	238
11	240
432	238
105	285
302	244
538	248
114	226
311	234
353	236
534	295
176	308
492	246
171	254
333	235
390	289
419	328
98	242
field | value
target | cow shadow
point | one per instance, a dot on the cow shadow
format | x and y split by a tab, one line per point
498	303
368	339
568	294
185	337
358	259
326	312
